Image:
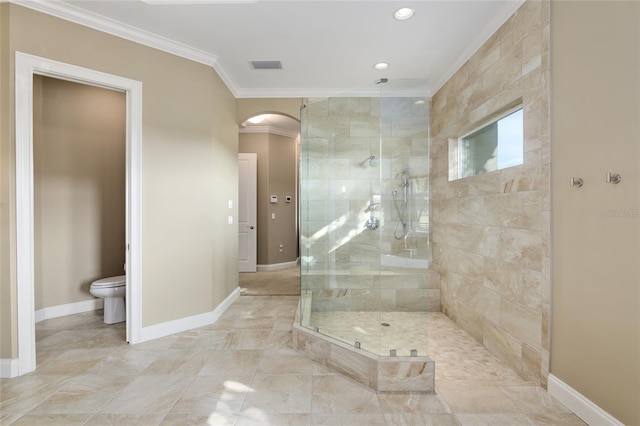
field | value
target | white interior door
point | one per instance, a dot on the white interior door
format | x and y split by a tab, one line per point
247	212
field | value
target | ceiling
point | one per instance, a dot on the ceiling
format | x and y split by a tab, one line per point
326	47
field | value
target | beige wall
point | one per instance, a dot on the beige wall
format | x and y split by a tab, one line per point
189	166
490	232
8	331
79	188
595	129
282	182
277	165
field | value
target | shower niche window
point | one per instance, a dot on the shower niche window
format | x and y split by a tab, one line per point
365	252
496	144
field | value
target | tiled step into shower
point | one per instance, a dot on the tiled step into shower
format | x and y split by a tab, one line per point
398	373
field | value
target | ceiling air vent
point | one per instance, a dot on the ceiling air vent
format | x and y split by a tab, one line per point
266	65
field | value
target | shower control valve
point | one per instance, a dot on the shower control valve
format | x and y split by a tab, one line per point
372	223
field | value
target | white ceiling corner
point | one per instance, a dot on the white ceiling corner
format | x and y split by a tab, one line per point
107	25
326	47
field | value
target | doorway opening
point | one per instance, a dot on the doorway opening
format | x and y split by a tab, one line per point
273	138
79	195
28	66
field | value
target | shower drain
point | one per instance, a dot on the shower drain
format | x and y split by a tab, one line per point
385	324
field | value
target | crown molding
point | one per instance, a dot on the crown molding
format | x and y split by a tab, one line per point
110	26
287	93
180	2
268	129
226	78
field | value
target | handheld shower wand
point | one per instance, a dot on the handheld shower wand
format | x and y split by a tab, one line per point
400	217
402	220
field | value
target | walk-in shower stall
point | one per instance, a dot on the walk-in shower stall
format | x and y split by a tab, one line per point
364	225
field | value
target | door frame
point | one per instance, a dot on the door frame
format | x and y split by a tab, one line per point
26	66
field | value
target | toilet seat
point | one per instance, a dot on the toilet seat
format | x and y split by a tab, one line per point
110	282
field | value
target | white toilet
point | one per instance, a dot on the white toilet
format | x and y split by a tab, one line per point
113	291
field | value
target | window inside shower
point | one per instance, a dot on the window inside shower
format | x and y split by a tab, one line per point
364	195
496	144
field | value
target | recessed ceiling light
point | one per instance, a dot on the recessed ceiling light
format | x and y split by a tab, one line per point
420	102
381	66
403	13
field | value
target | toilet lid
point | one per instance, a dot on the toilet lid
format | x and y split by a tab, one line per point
118	281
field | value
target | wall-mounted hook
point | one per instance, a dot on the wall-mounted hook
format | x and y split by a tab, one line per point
613	177
576	181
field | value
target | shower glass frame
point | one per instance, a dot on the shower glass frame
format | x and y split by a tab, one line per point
364	218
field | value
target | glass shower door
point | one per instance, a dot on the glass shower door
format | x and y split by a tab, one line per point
405	250
364	218
340	218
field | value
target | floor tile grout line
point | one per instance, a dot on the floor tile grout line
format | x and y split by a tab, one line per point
164	415
259	305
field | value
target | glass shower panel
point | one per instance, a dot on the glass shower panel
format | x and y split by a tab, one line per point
405	248
364	219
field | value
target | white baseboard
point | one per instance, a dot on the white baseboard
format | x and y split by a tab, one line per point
188	323
584	408
277	266
8	368
68	309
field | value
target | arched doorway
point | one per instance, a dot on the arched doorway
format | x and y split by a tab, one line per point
274	138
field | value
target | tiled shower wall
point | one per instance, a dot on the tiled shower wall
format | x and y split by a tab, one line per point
491	232
341	265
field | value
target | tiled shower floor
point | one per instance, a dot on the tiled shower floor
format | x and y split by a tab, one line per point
377	332
458	356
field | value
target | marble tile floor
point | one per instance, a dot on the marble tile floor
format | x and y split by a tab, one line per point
283	282
242	371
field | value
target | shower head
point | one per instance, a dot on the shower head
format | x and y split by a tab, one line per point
371	161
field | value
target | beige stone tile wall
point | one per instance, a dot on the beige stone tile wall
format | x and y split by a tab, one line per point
490	232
